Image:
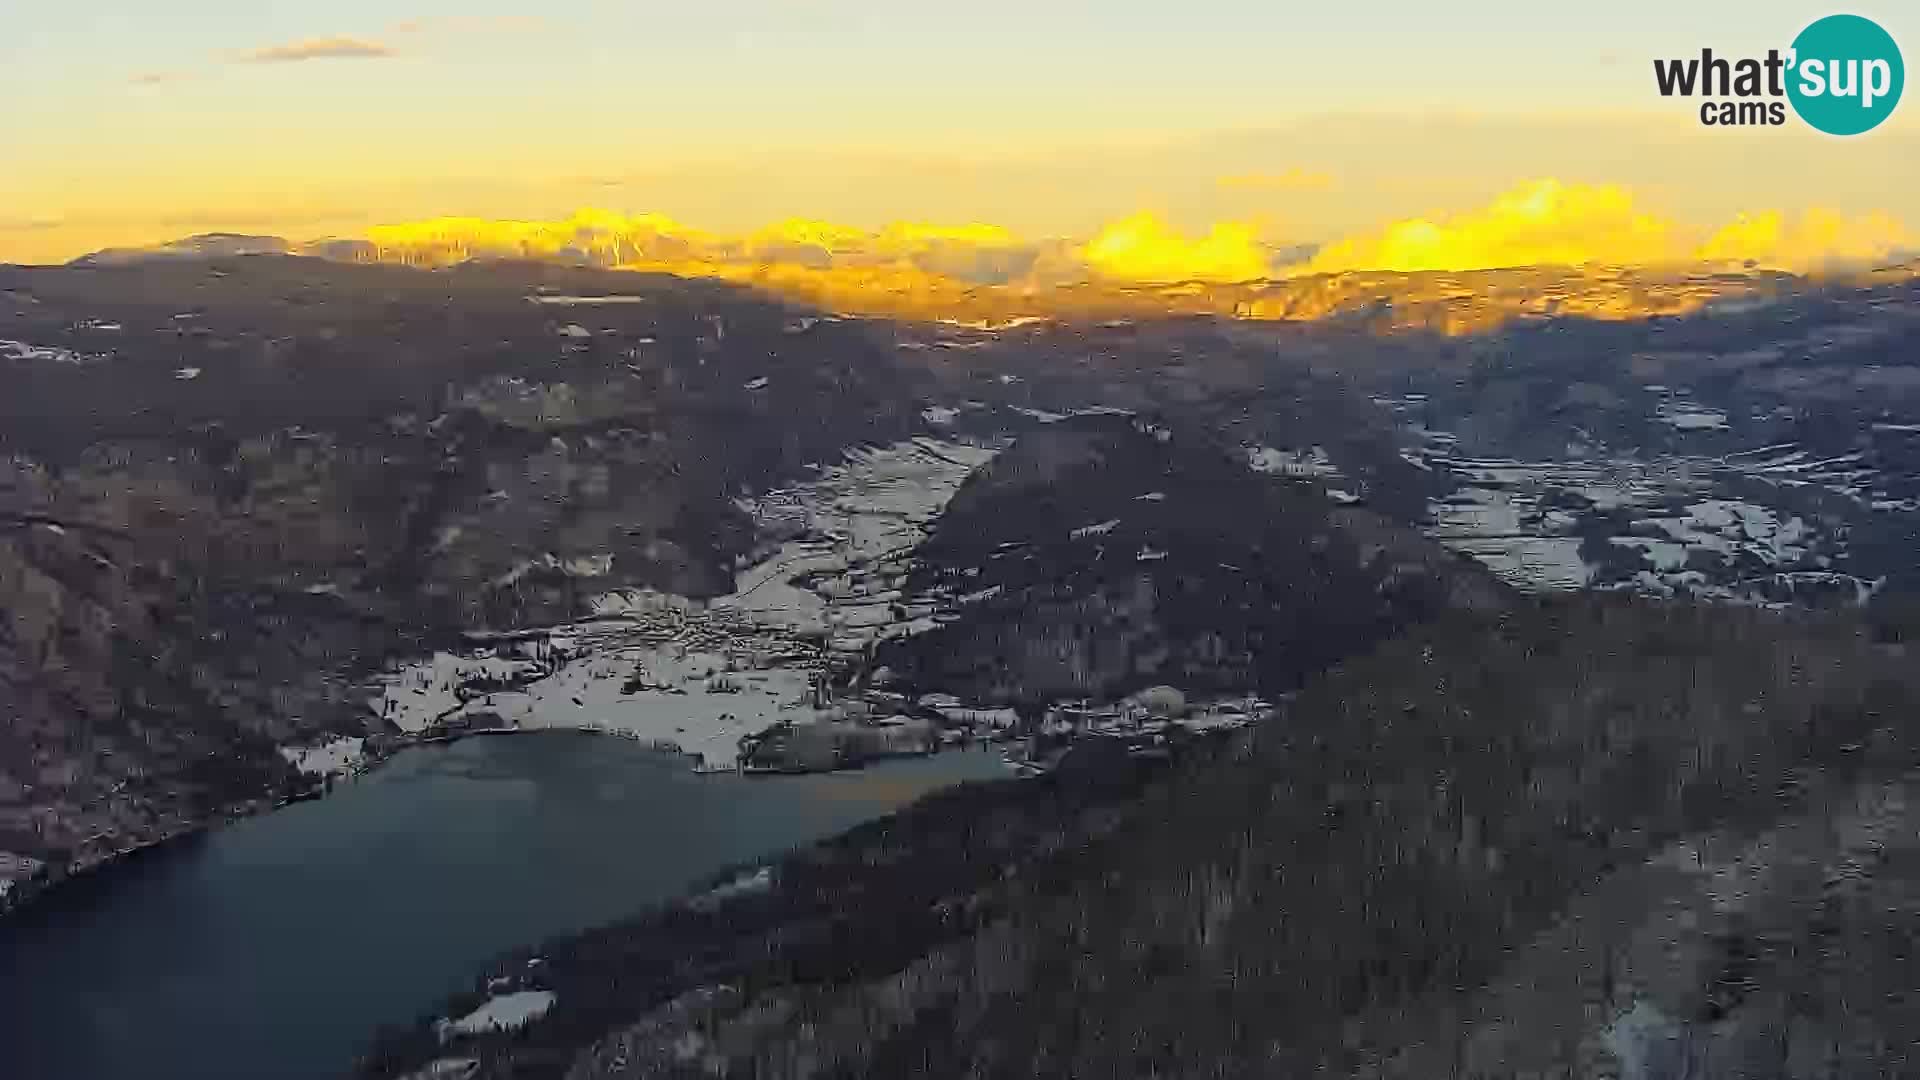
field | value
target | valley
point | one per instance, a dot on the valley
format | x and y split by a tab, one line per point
757	537
1012	541
559	458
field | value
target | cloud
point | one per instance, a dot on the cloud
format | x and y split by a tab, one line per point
344	47
1816	238
1145	248
38	224
1287	180
327	48
320	48
1540	222
1553	223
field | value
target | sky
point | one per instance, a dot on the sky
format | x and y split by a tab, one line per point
134	121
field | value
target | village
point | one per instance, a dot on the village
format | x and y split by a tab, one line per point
730	694
777	676
878	722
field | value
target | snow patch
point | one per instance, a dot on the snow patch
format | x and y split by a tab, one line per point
21	350
336	758
450	1068
576	566
1686	416
1649	1044
1527	562
1311	462
503	1013
578	301
1041	415
759	881
1526	520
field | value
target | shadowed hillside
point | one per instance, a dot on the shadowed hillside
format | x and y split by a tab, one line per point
1102	554
1589	838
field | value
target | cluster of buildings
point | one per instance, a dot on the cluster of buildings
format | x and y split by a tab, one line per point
877	722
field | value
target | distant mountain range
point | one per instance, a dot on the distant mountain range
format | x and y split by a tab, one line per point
203	246
919	286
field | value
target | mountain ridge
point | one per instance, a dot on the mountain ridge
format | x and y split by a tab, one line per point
1451	302
1101	554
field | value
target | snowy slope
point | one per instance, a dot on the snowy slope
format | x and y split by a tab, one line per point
698	676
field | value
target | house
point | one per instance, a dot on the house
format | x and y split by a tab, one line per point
15	869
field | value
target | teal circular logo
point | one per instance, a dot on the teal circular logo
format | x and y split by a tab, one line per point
1846	75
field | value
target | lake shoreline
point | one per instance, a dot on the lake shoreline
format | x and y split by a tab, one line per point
923	871
32	893
436	863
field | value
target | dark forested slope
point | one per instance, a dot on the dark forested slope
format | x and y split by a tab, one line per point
1580	835
1104	553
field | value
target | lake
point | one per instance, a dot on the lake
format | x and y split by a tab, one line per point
273	947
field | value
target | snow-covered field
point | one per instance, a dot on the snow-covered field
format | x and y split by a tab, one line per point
854	529
501	1013
1716	519
338	757
698	676
1533	523
697	681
